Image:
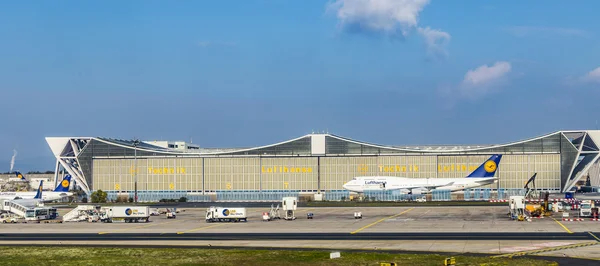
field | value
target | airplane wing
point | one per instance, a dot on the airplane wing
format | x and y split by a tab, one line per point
430	187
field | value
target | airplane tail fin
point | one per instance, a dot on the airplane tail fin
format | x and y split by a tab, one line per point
64	184
39	191
488	168
20	176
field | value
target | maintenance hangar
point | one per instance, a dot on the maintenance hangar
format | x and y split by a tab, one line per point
313	163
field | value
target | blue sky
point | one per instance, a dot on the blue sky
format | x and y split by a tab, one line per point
246	73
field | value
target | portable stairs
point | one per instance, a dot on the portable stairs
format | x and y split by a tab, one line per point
274	212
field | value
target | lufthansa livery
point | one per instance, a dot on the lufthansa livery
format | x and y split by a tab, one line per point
483	175
61	191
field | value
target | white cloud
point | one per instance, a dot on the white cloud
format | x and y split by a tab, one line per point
380	16
485	75
482	80
523	31
390	18
592	76
436	40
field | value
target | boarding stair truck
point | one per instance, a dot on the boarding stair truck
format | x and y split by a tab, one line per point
81	213
290	204
125	214
14	208
220	214
273	214
586	208
517	208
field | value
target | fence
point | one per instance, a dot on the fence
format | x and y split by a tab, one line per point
476	194
336	195
441	195
255	196
154	196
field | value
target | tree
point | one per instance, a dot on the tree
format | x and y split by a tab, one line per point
183	199
99	196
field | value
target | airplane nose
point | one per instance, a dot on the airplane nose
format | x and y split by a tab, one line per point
345	186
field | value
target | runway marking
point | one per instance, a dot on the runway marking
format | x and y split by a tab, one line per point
379	221
562	225
137	227
198	229
597	239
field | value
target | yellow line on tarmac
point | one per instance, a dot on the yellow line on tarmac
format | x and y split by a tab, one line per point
598	239
137	227
562	225
545	250
374	223
201	228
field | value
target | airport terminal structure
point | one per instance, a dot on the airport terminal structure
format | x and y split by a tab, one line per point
312	164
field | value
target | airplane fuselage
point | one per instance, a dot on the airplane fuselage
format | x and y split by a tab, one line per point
362	184
46	195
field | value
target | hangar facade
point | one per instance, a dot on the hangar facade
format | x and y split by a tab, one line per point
314	163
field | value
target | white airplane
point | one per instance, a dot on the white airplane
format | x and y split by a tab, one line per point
35	202
61	191
483	175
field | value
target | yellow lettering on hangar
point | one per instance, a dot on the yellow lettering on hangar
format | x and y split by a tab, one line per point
456	168
398	168
285	169
363	168
166	170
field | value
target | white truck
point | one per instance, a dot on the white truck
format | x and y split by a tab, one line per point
586	208
517	208
220	214
125	214
290	204
171	214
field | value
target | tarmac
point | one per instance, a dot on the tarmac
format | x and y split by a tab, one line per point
464	229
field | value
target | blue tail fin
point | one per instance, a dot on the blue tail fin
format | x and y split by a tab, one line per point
20	176
39	191
488	168
64	184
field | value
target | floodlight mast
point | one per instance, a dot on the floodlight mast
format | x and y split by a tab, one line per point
136	142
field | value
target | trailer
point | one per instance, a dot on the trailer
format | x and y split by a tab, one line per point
220	214
125	214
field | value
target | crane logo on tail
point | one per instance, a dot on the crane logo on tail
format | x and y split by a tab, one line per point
490	166
65	183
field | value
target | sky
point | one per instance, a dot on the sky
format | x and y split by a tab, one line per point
256	72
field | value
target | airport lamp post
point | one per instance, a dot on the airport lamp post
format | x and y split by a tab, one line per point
135	144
